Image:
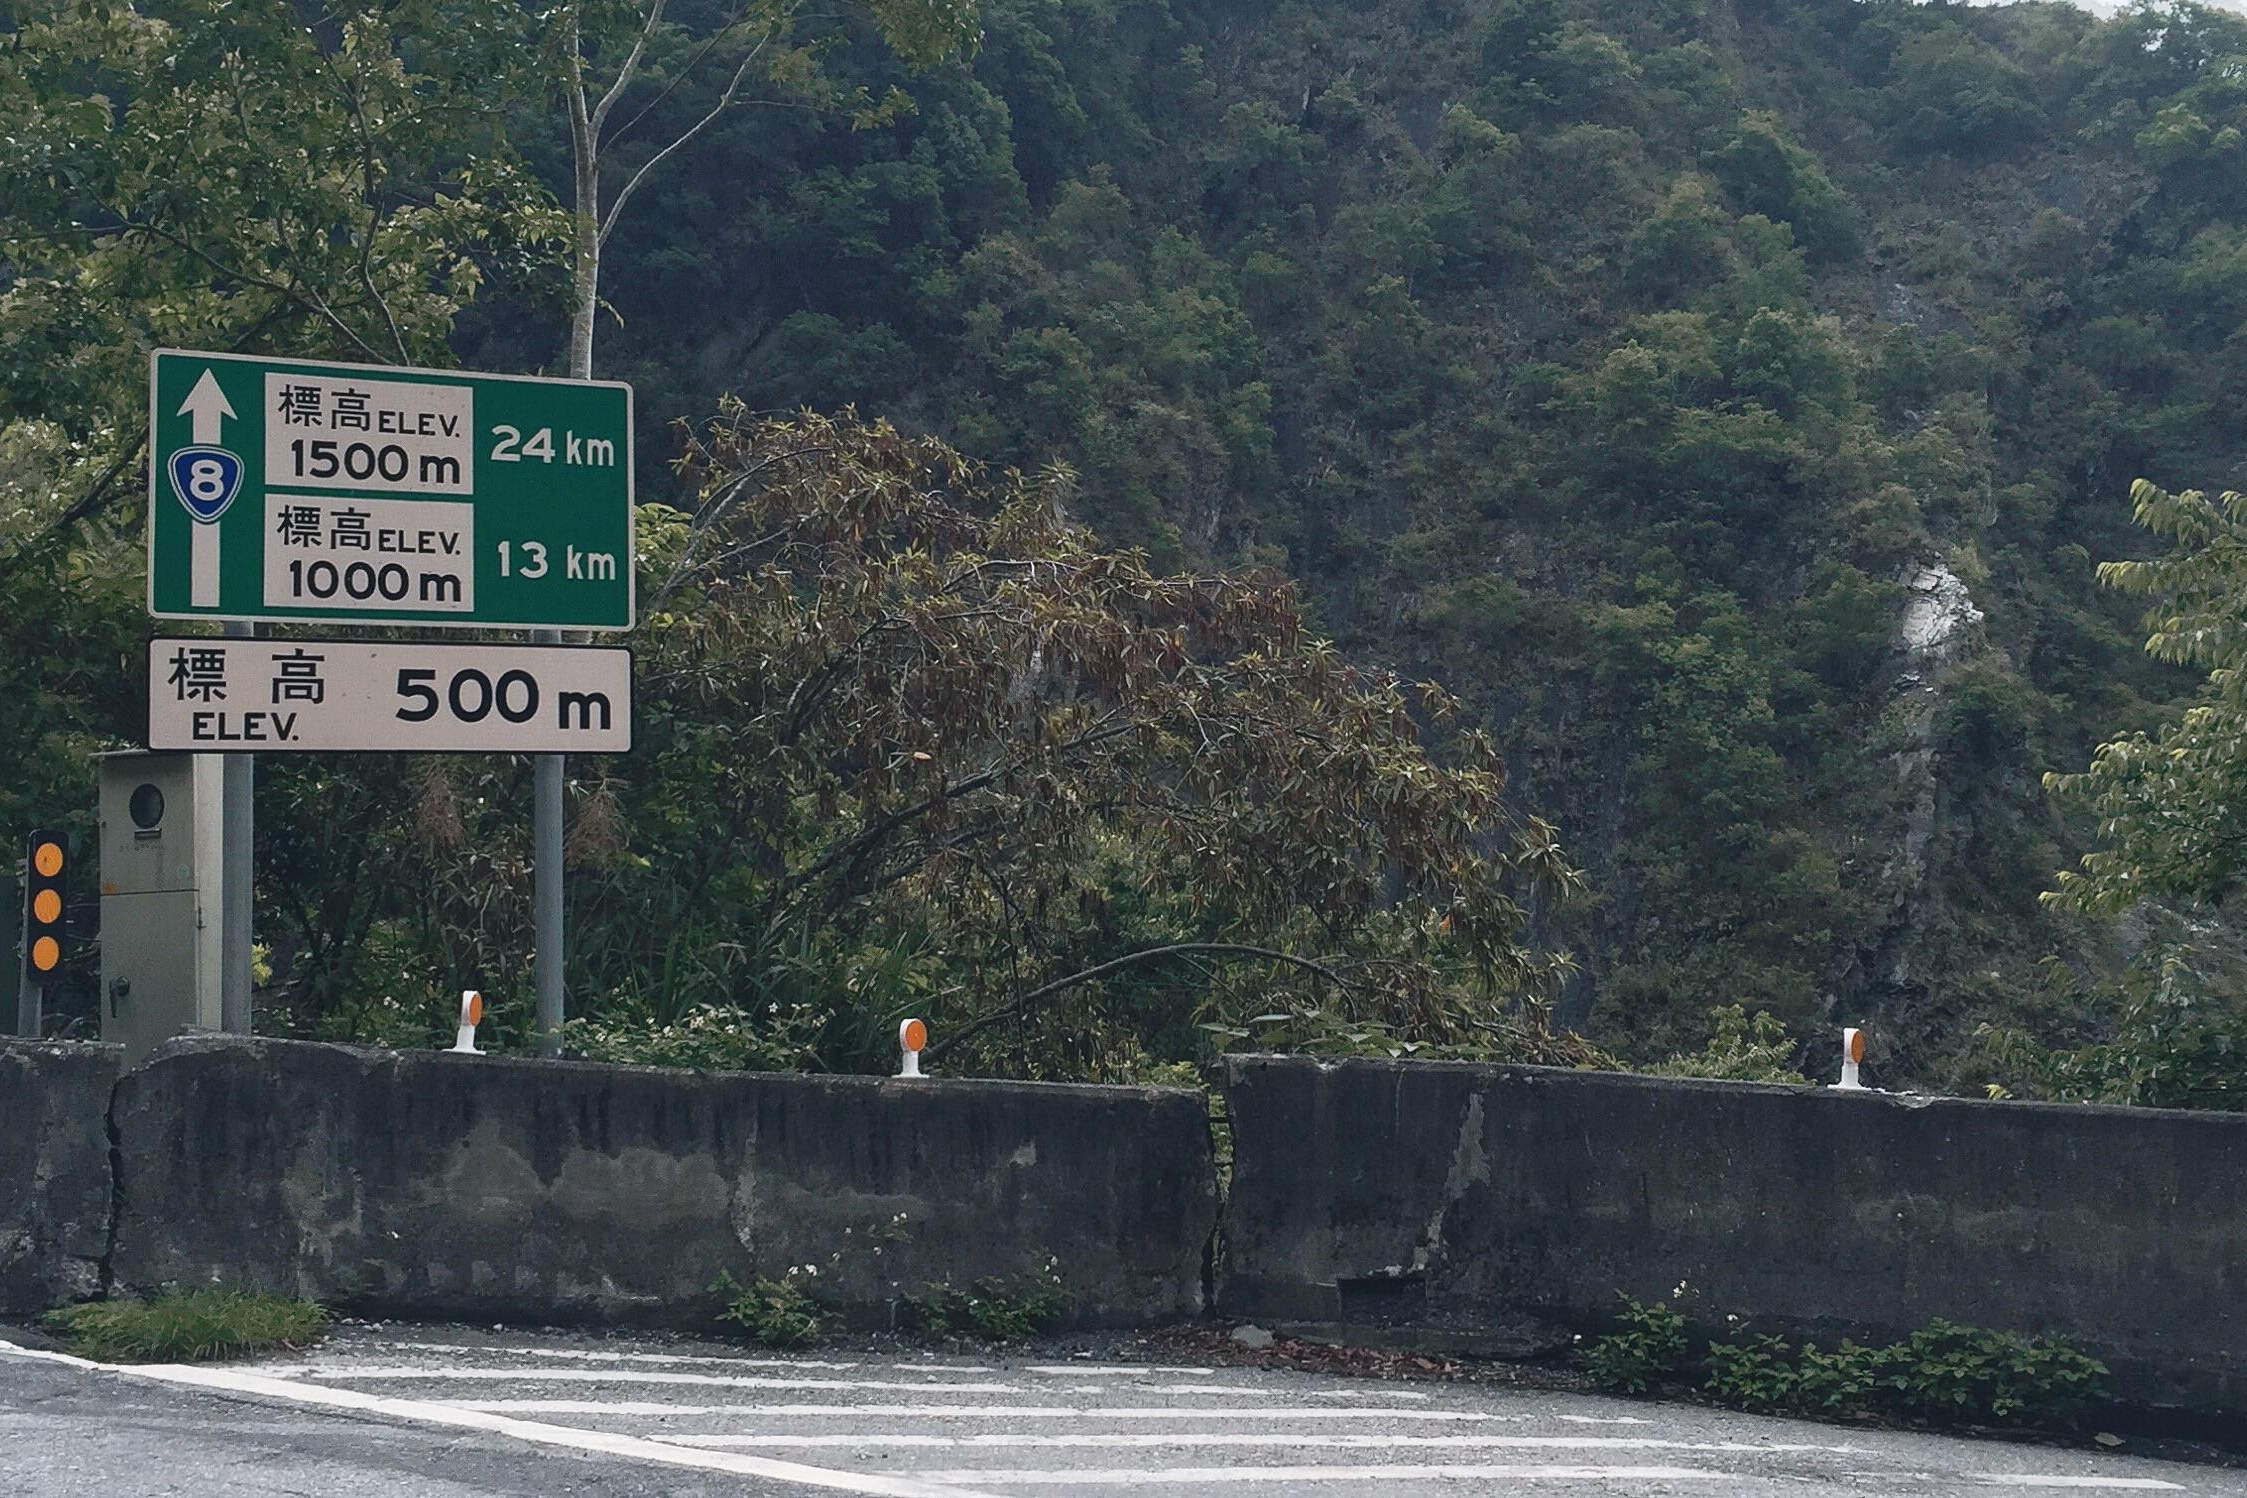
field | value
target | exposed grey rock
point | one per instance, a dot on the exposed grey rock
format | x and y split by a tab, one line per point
1938	614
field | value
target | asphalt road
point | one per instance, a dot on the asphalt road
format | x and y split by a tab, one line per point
450	1412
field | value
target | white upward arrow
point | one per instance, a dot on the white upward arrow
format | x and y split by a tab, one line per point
206	403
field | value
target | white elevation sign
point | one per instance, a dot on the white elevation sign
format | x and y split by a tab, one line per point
236	695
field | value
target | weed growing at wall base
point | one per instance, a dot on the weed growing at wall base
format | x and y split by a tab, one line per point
1647	1348
777	1313
989	1310
1942	1374
188	1327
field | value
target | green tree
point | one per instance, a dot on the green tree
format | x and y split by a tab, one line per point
911	697
611	51
332	183
2172	805
2171	1033
1767	173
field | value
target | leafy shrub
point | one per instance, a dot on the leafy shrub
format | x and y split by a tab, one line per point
1757	1373
1740	1050
1647	1348
989	1310
1942	1374
776	1313
188	1327
711	1037
1839	1382
1947	1374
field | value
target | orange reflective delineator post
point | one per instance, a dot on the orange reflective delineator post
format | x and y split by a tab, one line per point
912	1039
1852	1053
471	1015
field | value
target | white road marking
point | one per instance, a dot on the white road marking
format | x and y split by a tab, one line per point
1114	1370
1127	1477
1367	1394
974	1411
1248	1389
216	1380
580	1354
638	1376
2034	1480
1291	1442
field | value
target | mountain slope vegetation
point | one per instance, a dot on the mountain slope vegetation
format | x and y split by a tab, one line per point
1728	400
1725	403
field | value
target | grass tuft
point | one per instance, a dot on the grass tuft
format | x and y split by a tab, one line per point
193	1326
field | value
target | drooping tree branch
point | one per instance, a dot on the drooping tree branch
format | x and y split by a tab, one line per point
609	219
1022	1002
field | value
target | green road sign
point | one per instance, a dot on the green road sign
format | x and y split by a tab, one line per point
286	489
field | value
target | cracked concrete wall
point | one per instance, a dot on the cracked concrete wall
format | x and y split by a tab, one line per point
54	1171
425	1184
1508	1205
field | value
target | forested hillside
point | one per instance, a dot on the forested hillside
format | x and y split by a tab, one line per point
1725	403
1728	400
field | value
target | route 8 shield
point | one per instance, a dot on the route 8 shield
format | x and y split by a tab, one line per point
206	479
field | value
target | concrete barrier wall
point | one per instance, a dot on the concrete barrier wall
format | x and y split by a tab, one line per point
1516	1202
54	1172
449	1186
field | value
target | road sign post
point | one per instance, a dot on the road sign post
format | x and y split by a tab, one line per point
237	883
288	489
549	916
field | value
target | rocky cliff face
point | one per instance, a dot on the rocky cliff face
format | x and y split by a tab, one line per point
1938	618
1936	630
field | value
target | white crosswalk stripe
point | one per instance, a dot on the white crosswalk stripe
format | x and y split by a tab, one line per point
1202	1477
1294	1442
960	1428
1251	1413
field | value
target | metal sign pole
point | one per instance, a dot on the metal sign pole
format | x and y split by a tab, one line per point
28	995
546	887
237	870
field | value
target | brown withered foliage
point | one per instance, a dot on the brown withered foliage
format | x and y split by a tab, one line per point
930	697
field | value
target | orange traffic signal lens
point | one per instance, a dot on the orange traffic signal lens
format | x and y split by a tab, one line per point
47	859
45	955
46	907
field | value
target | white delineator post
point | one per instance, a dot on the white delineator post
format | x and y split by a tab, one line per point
912	1039
471	1015
1852	1052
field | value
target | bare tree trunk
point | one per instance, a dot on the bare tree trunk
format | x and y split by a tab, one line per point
585	299
548	770
585	259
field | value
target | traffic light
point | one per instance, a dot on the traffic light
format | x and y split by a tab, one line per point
45	866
